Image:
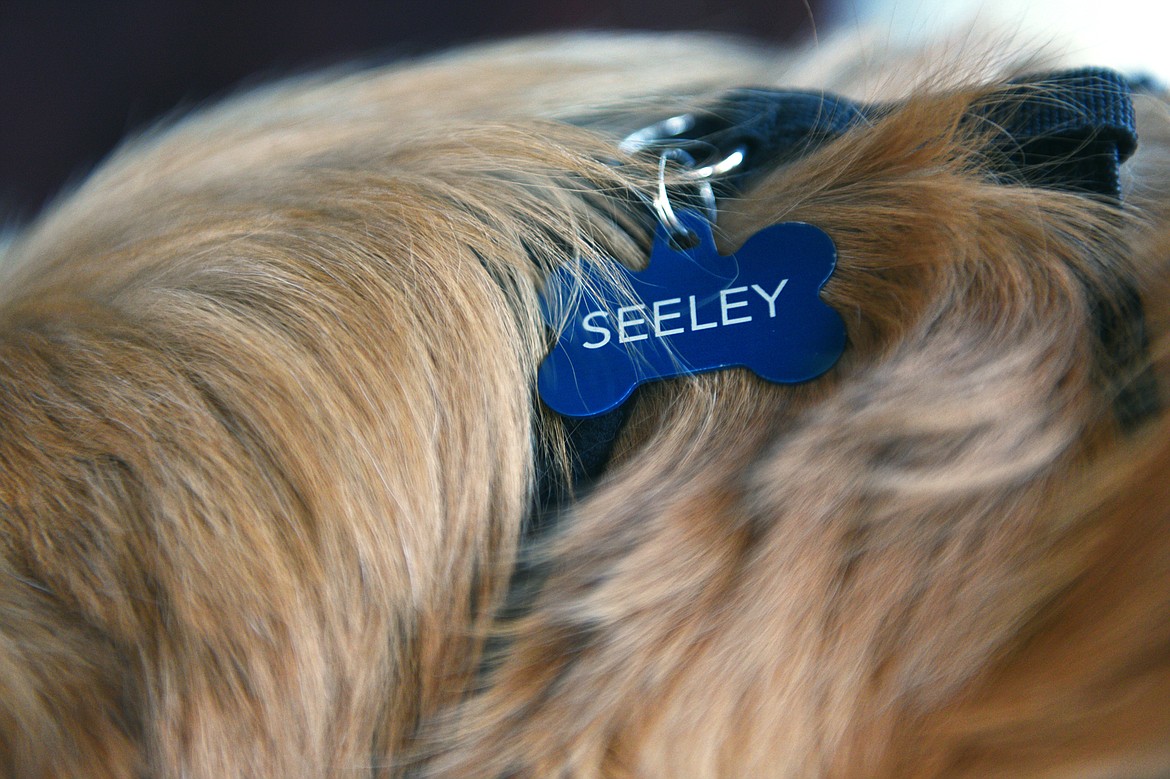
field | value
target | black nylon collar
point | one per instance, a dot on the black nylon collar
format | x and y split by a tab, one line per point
1069	130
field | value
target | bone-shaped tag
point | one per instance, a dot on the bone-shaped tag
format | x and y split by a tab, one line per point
692	311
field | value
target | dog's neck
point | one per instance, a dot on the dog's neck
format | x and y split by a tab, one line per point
1068	131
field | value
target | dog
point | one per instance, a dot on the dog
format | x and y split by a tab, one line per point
279	497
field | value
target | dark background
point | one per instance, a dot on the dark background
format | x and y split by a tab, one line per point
75	77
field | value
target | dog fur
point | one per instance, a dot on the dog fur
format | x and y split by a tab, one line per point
268	439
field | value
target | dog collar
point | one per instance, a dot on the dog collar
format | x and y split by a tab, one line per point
1067	131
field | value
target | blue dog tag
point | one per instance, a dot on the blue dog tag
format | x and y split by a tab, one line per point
692	311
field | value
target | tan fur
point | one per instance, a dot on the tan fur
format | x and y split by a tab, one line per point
267	442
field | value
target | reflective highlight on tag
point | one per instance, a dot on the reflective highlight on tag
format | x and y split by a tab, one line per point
692	311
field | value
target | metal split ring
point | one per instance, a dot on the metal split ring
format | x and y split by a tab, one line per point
665	135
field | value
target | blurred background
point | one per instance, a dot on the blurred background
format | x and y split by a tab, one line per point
76	76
